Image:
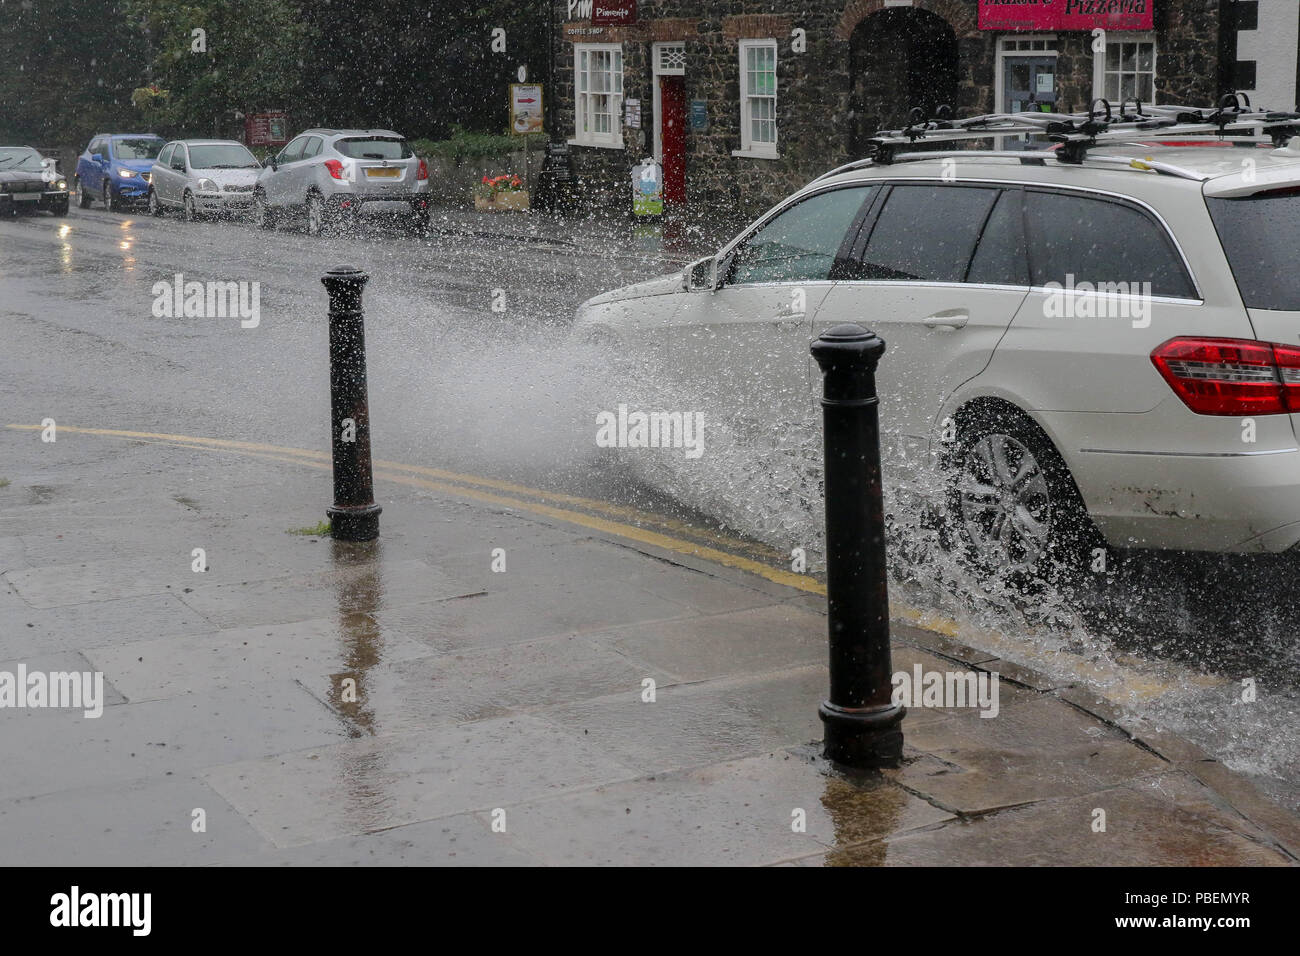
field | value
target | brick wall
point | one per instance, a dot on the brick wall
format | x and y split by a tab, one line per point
816	92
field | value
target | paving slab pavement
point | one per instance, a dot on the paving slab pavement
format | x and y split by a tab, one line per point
601	701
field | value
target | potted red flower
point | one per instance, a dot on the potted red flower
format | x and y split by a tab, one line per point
499	193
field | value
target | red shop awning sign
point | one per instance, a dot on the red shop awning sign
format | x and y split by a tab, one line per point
1066	14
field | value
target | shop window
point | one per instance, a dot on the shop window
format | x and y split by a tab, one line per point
598	94
758	98
1126	68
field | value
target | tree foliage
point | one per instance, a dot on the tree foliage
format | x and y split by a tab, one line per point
219	57
69	68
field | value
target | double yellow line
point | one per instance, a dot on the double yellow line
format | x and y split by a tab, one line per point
617	520
1122	681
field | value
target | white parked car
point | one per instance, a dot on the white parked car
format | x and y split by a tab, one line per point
1032	387
203	177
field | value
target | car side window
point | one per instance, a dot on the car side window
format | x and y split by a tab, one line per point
312	147
1000	255
178	159
96	146
165	157
926	233
1075	238
293	152
802	243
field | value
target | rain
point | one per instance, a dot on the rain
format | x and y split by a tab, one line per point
555	206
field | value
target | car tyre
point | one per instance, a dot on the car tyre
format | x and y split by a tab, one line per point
190	206
263	214
60	209
110	204
83	195
155	204
1012	505
317	215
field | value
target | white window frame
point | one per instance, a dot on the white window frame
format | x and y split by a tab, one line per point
1099	63
747	146
1013	45
582	97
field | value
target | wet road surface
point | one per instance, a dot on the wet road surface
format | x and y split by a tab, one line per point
456	384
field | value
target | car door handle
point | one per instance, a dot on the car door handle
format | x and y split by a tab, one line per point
952	318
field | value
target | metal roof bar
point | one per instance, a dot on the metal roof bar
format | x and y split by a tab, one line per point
1233	121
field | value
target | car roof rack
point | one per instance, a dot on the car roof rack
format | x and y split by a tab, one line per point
1233	120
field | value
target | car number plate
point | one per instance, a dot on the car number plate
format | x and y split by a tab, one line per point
387	173
27	197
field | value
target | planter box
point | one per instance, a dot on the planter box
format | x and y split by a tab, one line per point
505	202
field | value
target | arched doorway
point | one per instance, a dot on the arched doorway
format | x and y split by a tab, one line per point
899	57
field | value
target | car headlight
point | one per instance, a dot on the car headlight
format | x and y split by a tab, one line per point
209	186
63	184
147	177
126	173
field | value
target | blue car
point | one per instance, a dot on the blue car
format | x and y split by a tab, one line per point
114	169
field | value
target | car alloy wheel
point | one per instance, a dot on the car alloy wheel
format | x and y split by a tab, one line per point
83	197
263	216
315	215
1006	505
155	206
191	210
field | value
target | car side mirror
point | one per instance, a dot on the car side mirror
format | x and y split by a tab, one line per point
701	276
97	157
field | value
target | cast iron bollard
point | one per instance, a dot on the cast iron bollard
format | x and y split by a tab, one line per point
863	726
355	516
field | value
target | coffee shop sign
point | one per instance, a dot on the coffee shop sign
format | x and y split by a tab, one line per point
603	11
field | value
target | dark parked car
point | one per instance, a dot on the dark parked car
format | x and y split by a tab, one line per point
28	181
114	169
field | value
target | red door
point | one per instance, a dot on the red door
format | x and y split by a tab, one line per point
672	135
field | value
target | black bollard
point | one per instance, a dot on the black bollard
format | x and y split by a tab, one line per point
354	516
863	726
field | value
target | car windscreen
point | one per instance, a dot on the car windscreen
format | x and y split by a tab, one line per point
137	148
374	147
225	156
1260	234
20	157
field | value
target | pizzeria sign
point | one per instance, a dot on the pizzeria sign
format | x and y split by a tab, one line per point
1066	14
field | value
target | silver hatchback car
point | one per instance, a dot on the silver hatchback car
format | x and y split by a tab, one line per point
203	177
332	175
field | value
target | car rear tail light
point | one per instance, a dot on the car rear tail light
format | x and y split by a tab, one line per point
335	167
424	171
1231	376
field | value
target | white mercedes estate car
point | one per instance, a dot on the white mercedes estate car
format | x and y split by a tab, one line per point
1087	347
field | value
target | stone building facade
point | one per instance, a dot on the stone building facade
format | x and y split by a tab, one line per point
744	101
